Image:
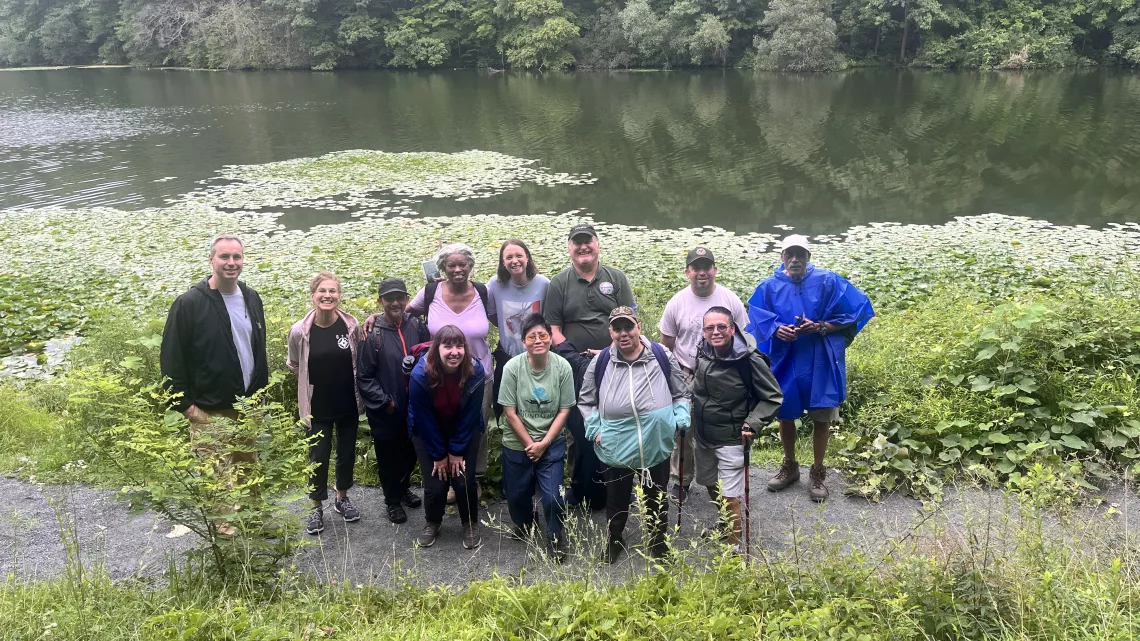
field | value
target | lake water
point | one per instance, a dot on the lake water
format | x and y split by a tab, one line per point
735	149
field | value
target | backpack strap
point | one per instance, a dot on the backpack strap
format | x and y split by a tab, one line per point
658	353
600	368
744	368
430	289
429	296
481	289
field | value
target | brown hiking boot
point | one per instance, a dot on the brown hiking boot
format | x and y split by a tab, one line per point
789	473
818	491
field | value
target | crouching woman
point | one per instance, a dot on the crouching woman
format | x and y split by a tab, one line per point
633	401
445	418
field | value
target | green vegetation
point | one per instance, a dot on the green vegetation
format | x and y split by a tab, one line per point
1003	579
951	383
558	34
1003	354
1000	344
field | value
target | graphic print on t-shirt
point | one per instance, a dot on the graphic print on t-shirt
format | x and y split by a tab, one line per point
539	398
342	341
516	312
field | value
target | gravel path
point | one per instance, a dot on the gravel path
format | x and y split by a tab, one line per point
34	545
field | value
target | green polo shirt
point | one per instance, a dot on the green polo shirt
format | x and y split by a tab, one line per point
582	307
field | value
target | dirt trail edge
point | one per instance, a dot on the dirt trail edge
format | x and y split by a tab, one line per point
37	521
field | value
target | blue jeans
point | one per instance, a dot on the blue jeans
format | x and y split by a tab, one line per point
520	475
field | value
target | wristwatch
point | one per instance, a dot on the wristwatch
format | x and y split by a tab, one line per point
822	328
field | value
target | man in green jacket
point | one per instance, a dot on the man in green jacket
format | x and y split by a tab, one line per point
734	393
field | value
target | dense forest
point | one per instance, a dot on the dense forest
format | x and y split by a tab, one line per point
795	35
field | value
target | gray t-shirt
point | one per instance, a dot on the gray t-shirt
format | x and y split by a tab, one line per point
243	332
513	304
684	316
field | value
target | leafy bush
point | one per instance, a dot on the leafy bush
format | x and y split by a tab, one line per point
198	480
34	444
953	383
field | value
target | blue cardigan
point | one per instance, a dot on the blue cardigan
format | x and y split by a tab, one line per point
421	414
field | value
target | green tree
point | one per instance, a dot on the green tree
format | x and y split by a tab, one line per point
541	36
710	40
802	37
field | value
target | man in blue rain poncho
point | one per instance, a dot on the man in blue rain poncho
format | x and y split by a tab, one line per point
804	317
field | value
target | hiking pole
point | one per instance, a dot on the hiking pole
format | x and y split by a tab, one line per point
681	480
747	498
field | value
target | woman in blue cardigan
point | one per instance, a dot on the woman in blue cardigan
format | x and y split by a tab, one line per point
445	419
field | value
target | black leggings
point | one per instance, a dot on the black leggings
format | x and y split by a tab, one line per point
619	485
321	448
435	490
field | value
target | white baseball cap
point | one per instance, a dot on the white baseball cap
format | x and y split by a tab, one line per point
795	240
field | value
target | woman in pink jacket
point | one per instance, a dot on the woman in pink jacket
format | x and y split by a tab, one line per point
322	351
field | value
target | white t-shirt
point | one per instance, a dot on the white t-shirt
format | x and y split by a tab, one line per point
684	319
242	329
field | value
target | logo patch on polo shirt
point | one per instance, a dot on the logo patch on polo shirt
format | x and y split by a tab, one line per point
606	287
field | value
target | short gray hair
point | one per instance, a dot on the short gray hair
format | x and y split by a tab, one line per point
218	239
454	248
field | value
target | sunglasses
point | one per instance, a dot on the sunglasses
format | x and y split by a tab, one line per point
721	327
536	336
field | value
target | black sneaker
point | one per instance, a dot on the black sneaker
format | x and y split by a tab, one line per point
396	513
659	550
614	550
345	508
411	500
316	523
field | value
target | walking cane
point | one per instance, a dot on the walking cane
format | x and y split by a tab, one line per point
747	501
681	480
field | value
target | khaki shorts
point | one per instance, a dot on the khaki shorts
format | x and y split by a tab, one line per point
724	464
824	415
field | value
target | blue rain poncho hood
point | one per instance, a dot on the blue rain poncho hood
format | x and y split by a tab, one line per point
812	370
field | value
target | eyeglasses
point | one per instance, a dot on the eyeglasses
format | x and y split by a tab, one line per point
716	328
536	336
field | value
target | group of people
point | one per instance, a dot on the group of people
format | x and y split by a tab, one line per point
570	358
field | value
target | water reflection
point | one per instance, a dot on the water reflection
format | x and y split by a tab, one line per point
671	149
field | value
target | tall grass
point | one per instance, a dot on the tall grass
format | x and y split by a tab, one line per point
1012	574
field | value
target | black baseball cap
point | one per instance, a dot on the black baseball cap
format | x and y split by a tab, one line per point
392	285
697	253
583	228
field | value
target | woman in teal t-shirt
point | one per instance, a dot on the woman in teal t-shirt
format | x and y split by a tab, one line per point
536	392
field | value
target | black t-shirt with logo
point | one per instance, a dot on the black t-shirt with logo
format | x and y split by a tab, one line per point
330	371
